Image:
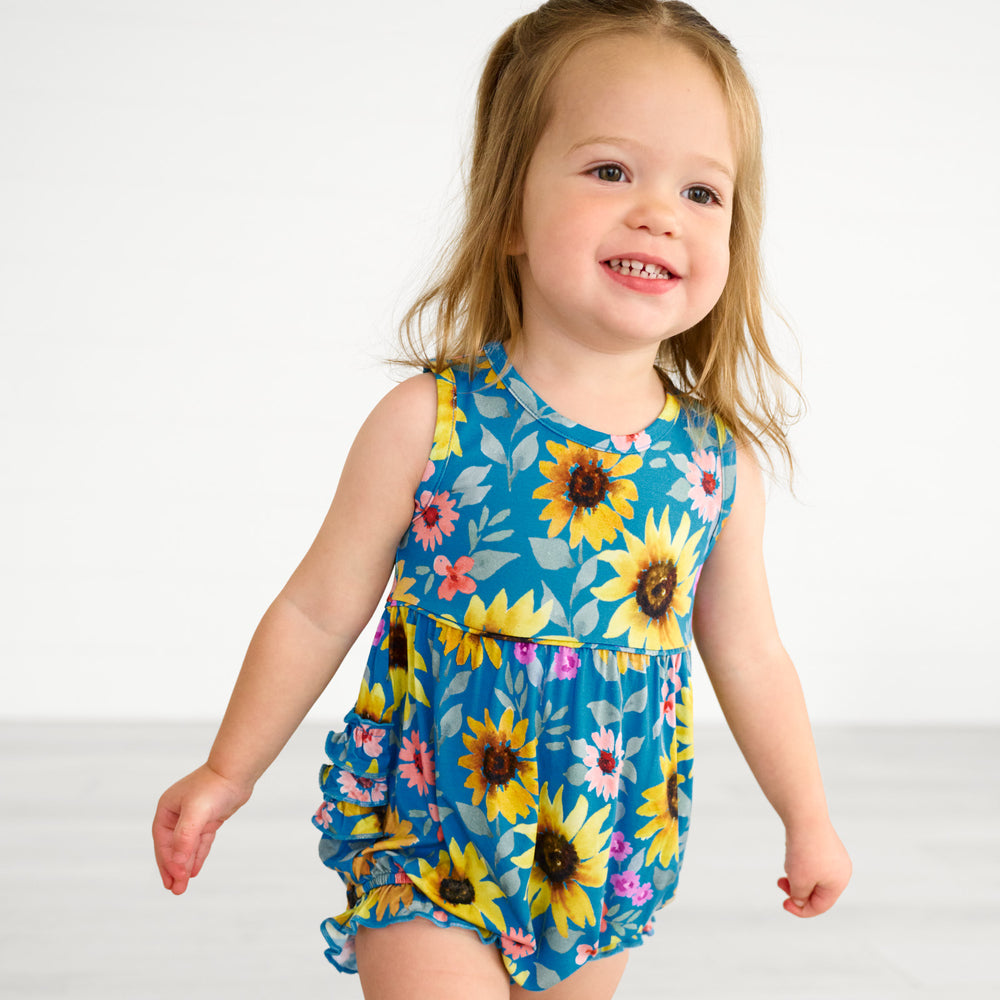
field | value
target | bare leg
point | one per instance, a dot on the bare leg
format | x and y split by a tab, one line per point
417	960
597	980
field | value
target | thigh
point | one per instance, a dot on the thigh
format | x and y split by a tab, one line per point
597	980
417	960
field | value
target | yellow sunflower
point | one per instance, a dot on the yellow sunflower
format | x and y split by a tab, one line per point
671	409
460	883
570	855
491	376
401	588
371	702
684	714
585	490
520	620
399	642
662	807
446	433
501	765
656	576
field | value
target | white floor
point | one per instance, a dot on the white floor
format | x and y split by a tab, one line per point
83	914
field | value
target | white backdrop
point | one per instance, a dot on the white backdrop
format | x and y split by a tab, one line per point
214	211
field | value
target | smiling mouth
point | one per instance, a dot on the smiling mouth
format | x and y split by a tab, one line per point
637	269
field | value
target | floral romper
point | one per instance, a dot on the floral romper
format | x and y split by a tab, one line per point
518	761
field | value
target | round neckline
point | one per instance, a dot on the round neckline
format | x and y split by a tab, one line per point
509	376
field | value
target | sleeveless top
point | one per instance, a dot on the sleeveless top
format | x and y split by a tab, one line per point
519	757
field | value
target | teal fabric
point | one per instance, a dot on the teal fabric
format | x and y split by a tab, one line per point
519	758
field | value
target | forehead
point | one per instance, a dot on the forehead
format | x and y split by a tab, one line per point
652	91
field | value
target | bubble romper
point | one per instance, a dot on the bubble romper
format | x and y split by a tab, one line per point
518	761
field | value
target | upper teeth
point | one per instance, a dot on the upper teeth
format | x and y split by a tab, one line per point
637	268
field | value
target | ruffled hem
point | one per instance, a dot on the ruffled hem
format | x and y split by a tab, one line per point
340	931
375	909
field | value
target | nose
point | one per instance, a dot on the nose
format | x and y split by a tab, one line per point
657	213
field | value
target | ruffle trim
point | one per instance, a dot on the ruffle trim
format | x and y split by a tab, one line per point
374	910
355	784
367	912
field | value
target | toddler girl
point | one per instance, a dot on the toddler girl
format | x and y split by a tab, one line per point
508	802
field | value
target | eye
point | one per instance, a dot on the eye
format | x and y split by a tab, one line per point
610	172
702	195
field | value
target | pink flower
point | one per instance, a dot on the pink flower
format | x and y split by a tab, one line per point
369	739
566	663
705	478
669	705
620	847
417	764
428	471
324	815
454	580
668	692
584	952
643	894
517	943
359	788
525	651
604	758
434	517
625	884
625	441
435	815
604	915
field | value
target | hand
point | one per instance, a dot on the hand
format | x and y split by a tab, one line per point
817	870
187	817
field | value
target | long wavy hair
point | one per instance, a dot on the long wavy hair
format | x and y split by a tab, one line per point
474	297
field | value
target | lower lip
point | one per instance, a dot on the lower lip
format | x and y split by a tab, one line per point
650	286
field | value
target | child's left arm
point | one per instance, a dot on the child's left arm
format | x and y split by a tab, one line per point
761	697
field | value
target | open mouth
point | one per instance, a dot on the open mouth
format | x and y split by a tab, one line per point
637	269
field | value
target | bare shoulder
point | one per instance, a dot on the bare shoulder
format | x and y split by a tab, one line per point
401	427
339	581
732	607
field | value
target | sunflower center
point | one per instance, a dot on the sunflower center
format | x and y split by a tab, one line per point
588	484
655	588
457	890
709	484
499	764
556	856
672	795
606	762
398	654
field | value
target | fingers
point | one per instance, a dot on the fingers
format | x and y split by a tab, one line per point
807	901
181	841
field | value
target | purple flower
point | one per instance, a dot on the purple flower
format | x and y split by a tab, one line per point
643	894
625	884
525	651
566	663
620	847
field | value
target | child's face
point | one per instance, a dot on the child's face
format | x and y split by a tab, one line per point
636	163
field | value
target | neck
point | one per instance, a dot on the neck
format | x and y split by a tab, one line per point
618	392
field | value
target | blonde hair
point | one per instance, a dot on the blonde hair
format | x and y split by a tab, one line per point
474	298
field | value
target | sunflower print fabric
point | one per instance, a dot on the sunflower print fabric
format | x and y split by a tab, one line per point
518	761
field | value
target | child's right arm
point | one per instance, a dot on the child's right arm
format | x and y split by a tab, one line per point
308	629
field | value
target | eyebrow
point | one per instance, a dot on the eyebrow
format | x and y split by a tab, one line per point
616	140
